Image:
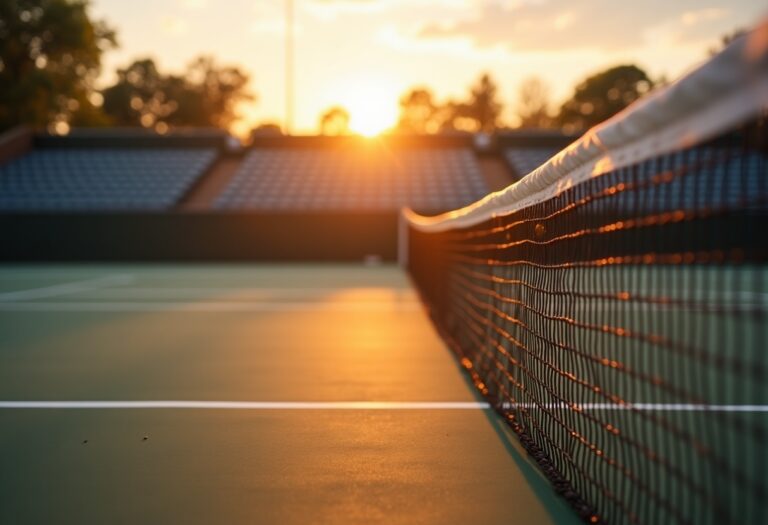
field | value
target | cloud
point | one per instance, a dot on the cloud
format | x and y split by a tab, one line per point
174	25
369	5
699	27
269	18
273	26
268	26
692	18
332	9
193	4
348	3
390	36
541	25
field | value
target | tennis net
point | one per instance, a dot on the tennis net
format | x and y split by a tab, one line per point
612	305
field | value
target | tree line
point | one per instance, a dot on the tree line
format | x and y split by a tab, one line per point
50	60
596	98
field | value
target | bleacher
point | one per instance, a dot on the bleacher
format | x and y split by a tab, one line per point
523	160
429	180
97	179
134	195
522	151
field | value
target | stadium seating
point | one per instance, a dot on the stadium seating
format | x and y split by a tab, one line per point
428	180
101	178
523	160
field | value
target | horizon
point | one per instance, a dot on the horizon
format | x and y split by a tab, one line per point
380	49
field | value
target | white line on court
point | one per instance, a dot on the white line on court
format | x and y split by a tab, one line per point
255	405
209	306
244	294
367	405
140	290
66	288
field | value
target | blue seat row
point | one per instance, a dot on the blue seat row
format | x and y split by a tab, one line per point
428	180
101	179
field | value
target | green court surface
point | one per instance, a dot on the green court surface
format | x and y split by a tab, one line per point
297	343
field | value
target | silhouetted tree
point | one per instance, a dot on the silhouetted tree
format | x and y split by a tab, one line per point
50	56
483	107
139	96
726	39
334	121
206	95
267	129
480	112
601	96
453	116
533	105
419	113
220	88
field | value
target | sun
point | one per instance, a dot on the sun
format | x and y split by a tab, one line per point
372	105
371	118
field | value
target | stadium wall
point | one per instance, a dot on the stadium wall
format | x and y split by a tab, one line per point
198	236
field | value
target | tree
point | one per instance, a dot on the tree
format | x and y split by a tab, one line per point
267	129
454	116
483	106
602	95
479	113
726	40
205	95
220	89
334	121
533	106
138	97
50	57
419	113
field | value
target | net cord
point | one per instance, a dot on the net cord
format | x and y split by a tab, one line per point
726	91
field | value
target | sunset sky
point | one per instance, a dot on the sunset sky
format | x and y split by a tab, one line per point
351	52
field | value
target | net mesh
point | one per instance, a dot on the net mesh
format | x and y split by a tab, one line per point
620	329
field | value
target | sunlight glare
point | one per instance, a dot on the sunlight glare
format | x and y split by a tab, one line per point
371	103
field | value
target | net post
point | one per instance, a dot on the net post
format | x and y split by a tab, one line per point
402	239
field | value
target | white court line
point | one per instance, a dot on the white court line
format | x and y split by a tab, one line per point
367	405
268	289
210	306
254	405
211	293
66	288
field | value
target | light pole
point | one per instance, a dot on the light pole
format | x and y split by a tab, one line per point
289	26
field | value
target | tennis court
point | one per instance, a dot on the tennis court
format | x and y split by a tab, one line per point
588	342
270	358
